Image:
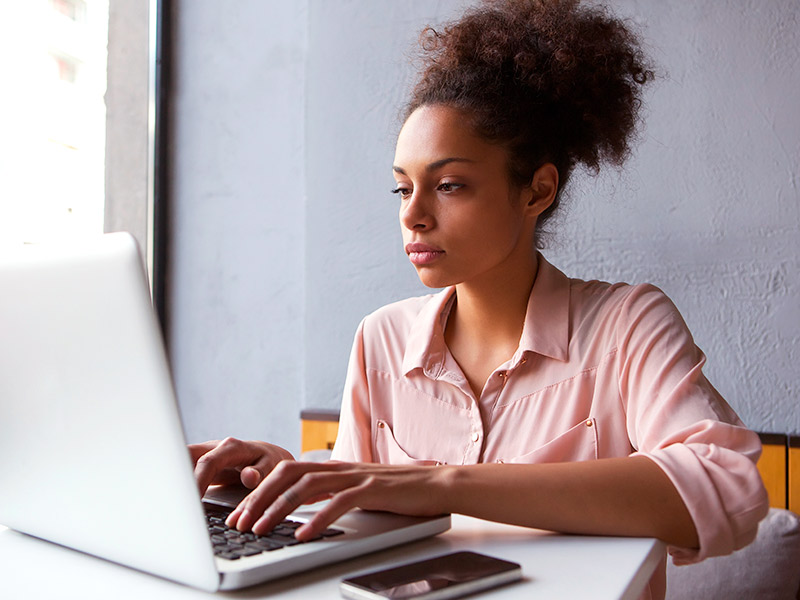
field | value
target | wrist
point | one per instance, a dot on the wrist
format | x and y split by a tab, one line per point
447	482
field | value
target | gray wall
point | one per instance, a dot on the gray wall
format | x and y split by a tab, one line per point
238	189
285	234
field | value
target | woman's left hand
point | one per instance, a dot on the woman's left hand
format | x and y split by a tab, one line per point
410	490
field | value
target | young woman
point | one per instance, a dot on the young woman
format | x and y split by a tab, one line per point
517	394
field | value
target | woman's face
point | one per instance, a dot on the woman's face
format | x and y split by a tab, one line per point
461	219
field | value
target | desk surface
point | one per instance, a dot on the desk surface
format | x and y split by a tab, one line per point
553	566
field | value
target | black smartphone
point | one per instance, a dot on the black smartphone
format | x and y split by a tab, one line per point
449	576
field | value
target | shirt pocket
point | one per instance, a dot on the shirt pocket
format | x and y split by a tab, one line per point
577	444
388	451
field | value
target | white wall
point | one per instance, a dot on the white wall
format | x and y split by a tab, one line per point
286	234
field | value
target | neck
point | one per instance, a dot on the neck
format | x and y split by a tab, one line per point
493	311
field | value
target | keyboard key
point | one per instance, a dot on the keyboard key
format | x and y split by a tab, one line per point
283	540
281	530
247	551
263	545
231	544
331	532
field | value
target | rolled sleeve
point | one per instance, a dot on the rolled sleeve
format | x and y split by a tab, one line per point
677	419
719	484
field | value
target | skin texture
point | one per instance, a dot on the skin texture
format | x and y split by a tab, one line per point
455	198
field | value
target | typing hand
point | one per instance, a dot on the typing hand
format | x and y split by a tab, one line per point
400	489
233	461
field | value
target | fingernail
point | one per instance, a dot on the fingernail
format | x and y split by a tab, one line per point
260	526
244	520
231	520
300	532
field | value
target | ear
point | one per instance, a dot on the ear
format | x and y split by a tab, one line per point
543	189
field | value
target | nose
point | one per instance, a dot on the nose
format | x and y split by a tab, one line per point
416	213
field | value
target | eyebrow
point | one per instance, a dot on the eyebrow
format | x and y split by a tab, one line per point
438	164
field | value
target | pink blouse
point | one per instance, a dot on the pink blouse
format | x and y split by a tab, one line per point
601	371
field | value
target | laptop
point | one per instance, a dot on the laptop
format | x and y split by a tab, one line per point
93	451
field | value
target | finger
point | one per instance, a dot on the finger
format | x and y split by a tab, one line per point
318	498
197	450
253	475
340	503
310	485
283	505
266	497
252	507
227	455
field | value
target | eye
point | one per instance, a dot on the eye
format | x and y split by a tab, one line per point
449	186
402	192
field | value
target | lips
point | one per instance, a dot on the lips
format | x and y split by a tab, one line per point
423	254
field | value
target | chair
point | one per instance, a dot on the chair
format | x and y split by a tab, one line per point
767	569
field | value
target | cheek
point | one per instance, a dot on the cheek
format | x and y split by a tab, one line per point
493	230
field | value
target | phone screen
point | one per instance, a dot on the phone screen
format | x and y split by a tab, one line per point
446	576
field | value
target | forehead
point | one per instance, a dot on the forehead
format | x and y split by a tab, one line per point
432	133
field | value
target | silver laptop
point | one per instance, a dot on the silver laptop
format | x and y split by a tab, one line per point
92	451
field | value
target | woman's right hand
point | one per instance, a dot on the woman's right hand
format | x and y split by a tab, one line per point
234	461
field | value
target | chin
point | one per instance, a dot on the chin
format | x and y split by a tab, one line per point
434	280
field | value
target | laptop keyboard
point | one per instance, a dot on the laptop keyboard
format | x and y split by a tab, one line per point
232	544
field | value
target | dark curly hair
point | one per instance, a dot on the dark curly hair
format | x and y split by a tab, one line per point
551	80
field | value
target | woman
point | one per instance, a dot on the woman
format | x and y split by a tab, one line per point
517	394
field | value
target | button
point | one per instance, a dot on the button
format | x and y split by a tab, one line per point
381	424
589	423
476	436
501	373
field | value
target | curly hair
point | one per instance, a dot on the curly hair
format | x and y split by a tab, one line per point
551	80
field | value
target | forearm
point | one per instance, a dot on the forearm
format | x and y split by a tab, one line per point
619	496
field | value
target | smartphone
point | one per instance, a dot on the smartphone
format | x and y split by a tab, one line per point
449	576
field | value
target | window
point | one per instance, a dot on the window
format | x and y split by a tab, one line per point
74	10
52	118
66	68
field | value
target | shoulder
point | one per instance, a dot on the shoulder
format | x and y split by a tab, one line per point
595	302
400	312
618	309
601	296
402	319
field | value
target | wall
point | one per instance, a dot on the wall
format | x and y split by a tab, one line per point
237	253
286	234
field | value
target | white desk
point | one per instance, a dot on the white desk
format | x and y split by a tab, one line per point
554	567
